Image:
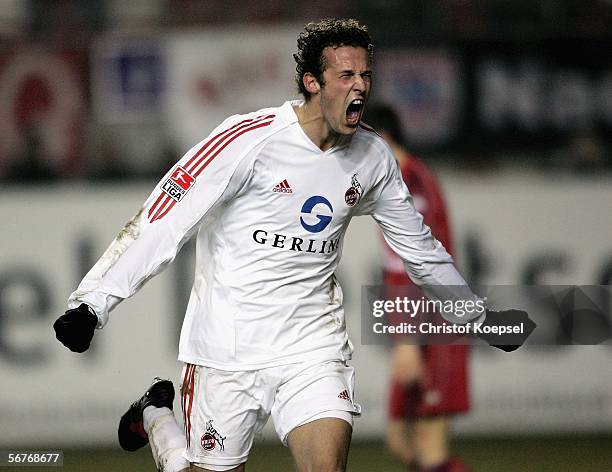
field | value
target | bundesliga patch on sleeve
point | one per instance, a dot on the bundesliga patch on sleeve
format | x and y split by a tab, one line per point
178	184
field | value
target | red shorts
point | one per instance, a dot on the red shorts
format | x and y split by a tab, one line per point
443	389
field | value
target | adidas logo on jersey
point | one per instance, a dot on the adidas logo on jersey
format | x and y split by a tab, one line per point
344	395
282	187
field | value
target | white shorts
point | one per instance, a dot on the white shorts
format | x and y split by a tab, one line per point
224	410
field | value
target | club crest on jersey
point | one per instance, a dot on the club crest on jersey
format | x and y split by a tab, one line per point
211	438
353	194
178	184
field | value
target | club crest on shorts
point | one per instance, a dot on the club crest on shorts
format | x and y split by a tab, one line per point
178	184
207	441
211	438
353	194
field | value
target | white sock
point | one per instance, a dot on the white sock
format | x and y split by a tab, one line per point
166	439
151	413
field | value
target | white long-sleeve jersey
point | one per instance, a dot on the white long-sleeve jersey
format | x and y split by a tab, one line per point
270	210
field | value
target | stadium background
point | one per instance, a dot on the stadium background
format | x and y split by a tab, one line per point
509	100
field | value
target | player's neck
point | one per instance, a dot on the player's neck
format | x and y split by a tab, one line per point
312	121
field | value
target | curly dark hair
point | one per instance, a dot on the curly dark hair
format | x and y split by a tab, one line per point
317	36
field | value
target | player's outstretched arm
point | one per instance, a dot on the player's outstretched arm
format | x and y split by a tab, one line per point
75	328
207	176
429	265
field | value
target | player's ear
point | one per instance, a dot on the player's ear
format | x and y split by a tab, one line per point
311	83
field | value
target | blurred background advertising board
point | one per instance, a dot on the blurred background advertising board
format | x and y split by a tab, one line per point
521	95
216	73
512	229
425	86
128	78
173	89
50	238
43	106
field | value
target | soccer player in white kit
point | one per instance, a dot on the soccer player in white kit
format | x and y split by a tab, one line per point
270	195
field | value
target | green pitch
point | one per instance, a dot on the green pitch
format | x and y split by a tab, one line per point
538	454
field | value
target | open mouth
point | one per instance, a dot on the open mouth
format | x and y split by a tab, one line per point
353	112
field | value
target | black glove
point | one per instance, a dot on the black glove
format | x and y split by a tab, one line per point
498	326
75	328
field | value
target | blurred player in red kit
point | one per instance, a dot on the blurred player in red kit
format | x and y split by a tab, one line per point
428	383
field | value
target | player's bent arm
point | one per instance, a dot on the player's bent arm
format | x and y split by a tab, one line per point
426	261
429	265
211	173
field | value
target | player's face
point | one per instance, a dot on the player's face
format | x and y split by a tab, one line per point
347	82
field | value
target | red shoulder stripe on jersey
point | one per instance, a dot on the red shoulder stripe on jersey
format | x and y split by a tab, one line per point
212	152
159	210
201	150
165	211
208	158
220	136
154	206
164	208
